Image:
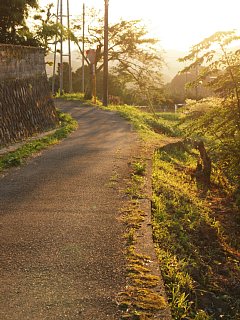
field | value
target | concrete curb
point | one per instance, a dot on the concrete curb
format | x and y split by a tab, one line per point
144	243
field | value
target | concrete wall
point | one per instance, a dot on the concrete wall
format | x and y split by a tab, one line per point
26	106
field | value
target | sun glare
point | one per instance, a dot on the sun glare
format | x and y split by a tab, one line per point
178	24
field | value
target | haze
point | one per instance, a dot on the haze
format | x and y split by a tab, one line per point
178	24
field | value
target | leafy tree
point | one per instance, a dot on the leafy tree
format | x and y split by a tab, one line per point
133	55
46	30
220	65
13	28
218	120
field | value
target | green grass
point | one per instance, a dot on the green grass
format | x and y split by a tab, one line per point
189	243
78	96
139	167
71	96
146	124
12	159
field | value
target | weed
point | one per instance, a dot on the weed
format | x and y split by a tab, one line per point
134	190
140	300
13	160
139	168
179	303
130	237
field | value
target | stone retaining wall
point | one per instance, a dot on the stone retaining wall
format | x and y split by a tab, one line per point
20	62
26	106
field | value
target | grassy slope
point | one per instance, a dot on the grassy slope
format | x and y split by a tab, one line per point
149	127
12	159
200	267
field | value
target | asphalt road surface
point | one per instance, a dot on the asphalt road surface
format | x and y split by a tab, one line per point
61	246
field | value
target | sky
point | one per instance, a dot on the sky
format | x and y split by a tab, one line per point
178	24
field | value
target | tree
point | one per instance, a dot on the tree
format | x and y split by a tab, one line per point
47	30
220	65
217	120
13	28
133	55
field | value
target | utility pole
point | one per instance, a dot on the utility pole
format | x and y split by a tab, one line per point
83	49
60	17
69	50
105	70
61	50
55	54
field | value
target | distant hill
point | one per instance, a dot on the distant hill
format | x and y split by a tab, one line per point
173	66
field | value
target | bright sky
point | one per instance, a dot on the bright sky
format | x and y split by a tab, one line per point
179	24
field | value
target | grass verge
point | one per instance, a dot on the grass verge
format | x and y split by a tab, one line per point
146	124
78	96
12	159
198	263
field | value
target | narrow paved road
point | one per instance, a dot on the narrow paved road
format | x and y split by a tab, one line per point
61	247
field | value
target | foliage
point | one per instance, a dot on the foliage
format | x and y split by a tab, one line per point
134	56
46	29
16	158
211	120
139	167
218	120
13	28
115	89
219	63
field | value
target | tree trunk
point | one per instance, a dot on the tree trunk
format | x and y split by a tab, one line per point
204	177
89	86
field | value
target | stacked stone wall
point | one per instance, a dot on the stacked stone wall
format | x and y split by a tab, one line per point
26	106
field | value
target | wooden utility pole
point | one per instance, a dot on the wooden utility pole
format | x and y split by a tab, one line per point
105	70
61	51
69	50
83	49
55	54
